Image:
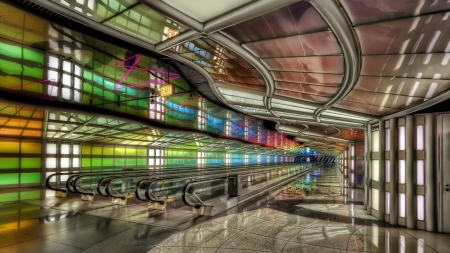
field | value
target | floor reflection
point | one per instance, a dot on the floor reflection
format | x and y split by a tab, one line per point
316	213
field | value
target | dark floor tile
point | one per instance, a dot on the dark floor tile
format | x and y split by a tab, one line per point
87	236
138	239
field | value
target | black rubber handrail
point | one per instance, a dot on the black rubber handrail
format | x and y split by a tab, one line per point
189	188
107	182
151	198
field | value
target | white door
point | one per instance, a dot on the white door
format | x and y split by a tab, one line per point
443	173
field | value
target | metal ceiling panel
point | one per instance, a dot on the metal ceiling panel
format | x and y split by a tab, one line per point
321	64
322	43
298	18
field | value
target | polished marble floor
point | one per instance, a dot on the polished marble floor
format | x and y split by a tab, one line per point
316	213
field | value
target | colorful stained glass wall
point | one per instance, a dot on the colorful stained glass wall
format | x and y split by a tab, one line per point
81	69
20	146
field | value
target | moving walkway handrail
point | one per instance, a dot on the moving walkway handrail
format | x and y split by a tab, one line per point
107	182
86	174
152	198
189	187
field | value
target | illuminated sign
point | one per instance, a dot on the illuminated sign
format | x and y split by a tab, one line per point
166	90
172	33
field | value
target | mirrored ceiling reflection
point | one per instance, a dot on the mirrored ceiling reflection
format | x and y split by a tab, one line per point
128	16
362	11
404	48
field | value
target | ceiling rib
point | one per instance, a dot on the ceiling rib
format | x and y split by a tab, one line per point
346	37
102	28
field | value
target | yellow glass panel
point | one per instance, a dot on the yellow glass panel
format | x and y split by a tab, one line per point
131	151
96	150
9	147
86	150
120	151
31	148
108	151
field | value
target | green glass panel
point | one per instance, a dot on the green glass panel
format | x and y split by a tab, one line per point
142	162
8	197
11	50
131	151
30	178
131	161
96	162
96	150
108	162
87	74
119	162
33	55
108	151
9	163
30	163
30	195
141	152
98	79
86	162
87	88
98	91
120	151
9	178
109	85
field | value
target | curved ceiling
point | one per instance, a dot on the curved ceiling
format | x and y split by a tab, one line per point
320	69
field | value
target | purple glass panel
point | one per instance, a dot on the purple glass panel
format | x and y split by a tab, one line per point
417	66
311	78
297	18
403	86
307	88
322	43
322	64
302	96
364	11
365	108
425	34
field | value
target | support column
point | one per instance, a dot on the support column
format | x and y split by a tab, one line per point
393	186
382	171
368	170
430	174
411	213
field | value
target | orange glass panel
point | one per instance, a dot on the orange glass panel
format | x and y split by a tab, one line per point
11	132
31	133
